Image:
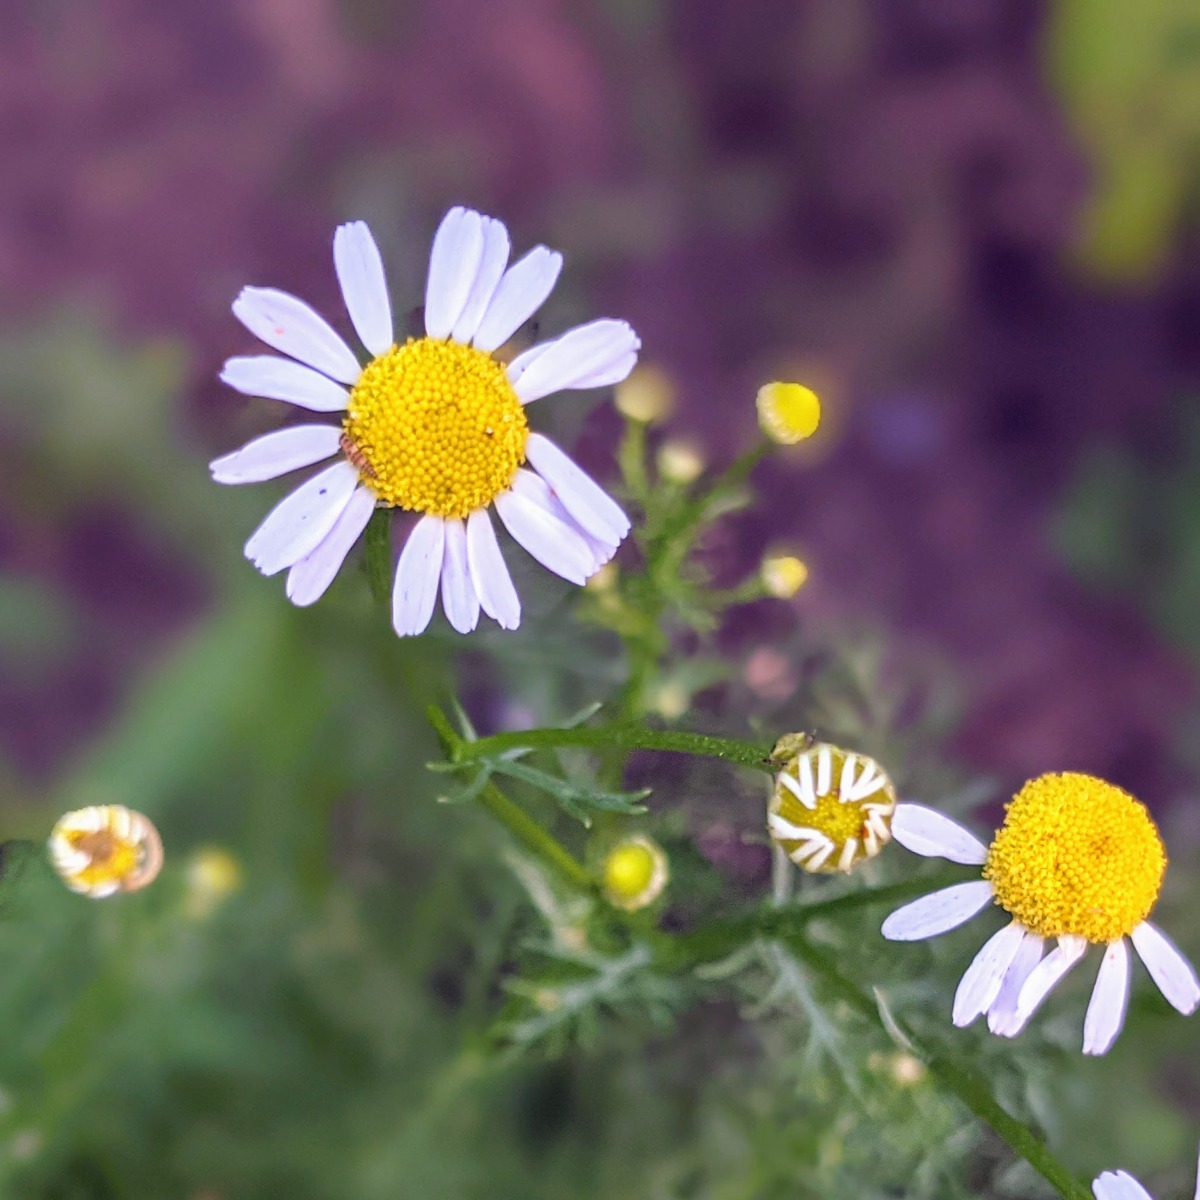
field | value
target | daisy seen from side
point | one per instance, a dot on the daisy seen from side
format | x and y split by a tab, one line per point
434	425
1077	862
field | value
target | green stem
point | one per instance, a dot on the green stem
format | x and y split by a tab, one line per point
379	555
523	828
969	1087
626	737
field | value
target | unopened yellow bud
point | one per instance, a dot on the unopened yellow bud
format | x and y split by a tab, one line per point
635	873
671	701
212	875
788	412
783	575
680	461
605	579
646	394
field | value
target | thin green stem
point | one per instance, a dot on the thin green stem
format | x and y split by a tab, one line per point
625	737
379	555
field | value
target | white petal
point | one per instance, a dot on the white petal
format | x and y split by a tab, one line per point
458	593
277	453
587	502
938	912
534	487
491	268
296	525
520	293
308	579
980	984
281	379
1003	1012
1168	968
550	540
364	285
417	575
584	353
290	326
1119	1185
453	267
933	834
1043	977
796	788
489	574
520	364
1106	1009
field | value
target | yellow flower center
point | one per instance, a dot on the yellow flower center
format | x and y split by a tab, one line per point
1076	855
788	412
635	873
110	857
831	808
435	427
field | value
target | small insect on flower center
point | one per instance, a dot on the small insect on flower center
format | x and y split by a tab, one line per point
830	808
435	427
1076	855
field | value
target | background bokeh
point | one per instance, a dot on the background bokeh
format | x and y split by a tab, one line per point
970	224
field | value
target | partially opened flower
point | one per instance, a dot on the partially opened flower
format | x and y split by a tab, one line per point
435	426
1120	1185
104	849
1078	862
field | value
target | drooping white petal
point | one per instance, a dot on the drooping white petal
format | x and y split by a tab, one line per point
938	912
281	379
930	833
453	267
296	525
489	573
417	576
534	487
1106	1009
1003	1011
587	502
520	364
491	268
522	290
1175	976
584	353
1043	978
290	326
364	285
277	453
550	540
458	593
308	579
981	982
1119	1185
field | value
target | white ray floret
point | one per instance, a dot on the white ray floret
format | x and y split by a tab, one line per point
1120	1185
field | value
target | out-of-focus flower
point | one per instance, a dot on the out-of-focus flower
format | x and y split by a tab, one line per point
605	579
830	808
1077	860
213	874
1120	1185
647	395
788	412
671	700
104	849
680	461
435	426
783	575
770	674
635	873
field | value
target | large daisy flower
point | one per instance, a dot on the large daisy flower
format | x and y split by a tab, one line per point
435	425
1078	862
1120	1185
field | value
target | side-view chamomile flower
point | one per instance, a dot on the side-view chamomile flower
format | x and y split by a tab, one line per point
1078	862
434	426
104	849
1120	1185
829	808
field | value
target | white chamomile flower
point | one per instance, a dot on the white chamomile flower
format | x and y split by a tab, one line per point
1120	1185
1077	861
105	849
435	425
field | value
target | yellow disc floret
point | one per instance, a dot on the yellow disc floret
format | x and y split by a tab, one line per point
830	808
435	427
1076	855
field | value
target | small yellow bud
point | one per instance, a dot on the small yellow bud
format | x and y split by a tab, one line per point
680	462
783	575
105	849
635	873
646	394
671	701
212	875
605	579
788	412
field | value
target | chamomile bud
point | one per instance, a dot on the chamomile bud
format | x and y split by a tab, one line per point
105	849
213	874
635	873
788	412
783	575
680	461
646	394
